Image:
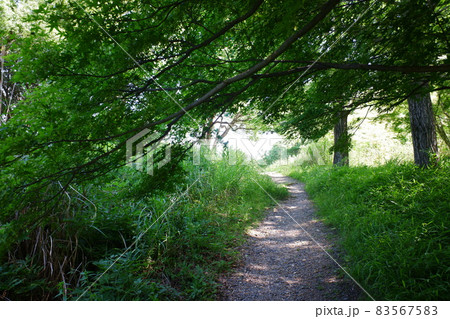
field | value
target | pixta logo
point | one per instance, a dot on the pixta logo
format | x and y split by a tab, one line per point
141	149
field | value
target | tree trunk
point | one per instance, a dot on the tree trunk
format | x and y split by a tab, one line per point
423	130
341	141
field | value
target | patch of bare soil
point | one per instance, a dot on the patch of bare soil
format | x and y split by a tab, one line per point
281	262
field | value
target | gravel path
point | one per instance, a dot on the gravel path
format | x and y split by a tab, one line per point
281	262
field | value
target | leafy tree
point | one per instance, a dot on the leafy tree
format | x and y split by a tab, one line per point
101	72
386	52
399	121
275	153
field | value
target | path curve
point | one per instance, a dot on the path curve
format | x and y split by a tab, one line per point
281	262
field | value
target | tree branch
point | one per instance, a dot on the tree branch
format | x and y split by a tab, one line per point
206	42
358	66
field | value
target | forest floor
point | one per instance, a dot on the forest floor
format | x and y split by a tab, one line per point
281	261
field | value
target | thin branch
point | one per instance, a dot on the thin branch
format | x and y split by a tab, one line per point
208	41
356	66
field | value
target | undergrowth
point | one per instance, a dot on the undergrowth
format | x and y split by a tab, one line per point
111	240
394	222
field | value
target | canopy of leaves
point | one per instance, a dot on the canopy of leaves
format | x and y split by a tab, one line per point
101	71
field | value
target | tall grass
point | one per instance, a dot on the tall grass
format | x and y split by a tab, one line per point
138	246
394	221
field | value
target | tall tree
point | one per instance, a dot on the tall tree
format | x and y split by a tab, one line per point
381	58
423	129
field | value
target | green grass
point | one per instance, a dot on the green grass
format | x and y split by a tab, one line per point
394	224
185	240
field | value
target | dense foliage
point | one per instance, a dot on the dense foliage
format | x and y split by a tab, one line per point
169	246
81	78
394	221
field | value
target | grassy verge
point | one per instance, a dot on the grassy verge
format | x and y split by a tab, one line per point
184	240
394	221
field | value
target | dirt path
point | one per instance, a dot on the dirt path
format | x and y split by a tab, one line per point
281	262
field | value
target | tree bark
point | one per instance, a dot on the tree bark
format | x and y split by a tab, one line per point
341	141
423	129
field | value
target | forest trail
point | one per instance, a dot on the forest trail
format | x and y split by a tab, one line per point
281	262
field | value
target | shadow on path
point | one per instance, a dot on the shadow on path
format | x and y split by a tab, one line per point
281	262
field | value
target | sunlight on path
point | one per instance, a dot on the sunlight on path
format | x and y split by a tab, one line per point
280	262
